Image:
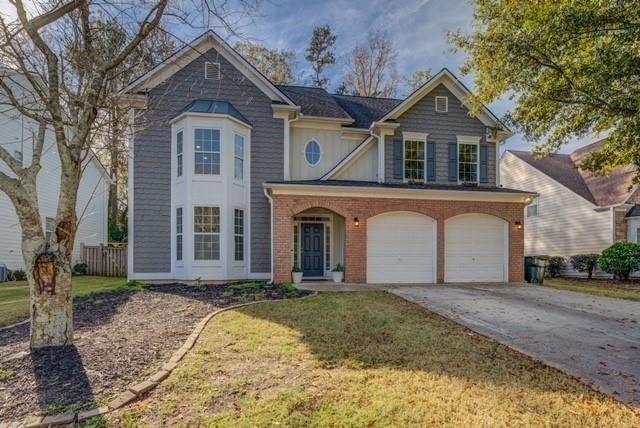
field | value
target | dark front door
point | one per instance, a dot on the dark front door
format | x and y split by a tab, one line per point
312	249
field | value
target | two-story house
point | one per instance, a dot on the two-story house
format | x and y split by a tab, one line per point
233	177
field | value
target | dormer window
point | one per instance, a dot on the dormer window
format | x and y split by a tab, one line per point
212	70
442	104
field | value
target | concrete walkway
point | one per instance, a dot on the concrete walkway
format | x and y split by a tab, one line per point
596	339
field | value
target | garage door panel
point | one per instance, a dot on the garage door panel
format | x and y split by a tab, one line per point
475	249
400	248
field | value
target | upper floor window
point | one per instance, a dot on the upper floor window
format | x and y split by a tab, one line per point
207	151
414	160
532	208
468	162
206	233
238	157
312	153
179	142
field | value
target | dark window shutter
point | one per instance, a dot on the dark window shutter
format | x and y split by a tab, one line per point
431	161
398	159
453	161
484	164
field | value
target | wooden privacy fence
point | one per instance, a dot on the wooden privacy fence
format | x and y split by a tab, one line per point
104	260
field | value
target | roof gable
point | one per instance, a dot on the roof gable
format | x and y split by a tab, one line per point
457	88
198	47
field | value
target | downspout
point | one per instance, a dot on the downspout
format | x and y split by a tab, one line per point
380	154
287	151
266	193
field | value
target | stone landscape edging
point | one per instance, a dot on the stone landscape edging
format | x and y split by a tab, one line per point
137	391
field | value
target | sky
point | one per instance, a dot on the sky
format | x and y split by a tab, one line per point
417	29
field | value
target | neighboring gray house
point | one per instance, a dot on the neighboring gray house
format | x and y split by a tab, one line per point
576	212
233	177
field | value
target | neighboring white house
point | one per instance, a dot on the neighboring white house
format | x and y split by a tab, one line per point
576	212
16	135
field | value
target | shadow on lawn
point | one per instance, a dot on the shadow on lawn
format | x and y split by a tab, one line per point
61	379
376	330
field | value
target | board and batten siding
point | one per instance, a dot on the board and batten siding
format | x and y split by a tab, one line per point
92	192
566	224
152	159
334	147
443	128
364	168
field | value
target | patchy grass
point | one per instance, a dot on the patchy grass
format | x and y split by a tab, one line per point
362	360
14	296
595	287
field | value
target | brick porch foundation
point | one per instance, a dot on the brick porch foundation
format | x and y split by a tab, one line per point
285	207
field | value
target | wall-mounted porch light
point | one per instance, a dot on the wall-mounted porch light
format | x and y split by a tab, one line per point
518	225
356	222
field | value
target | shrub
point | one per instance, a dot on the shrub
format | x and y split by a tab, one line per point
80	269
555	264
585	263
19	275
621	259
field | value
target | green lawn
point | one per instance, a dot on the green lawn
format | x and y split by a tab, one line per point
367	359
595	287
14	296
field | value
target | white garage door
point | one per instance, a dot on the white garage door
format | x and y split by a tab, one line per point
475	248
401	248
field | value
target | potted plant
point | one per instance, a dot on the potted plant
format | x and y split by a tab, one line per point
296	273
338	273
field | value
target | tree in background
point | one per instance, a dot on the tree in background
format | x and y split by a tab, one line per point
320	54
371	67
572	68
277	65
418	79
59	78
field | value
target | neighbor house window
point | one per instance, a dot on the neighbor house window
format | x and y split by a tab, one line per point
414	160
179	141
238	232
49	227
312	153
468	162
17	154
178	233
206	237
238	158
532	208
207	151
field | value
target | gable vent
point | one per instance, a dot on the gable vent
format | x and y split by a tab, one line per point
442	104
212	70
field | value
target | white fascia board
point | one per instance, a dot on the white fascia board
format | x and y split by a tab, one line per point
210	116
468	139
196	48
396	193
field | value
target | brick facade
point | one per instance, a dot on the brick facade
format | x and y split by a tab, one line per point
286	207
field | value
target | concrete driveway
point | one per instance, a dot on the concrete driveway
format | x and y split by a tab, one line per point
596	339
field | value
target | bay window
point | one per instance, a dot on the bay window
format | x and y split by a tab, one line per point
206	221
238	157
179	144
238	232
207	151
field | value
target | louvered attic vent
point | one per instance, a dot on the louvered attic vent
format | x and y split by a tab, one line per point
212	70
442	104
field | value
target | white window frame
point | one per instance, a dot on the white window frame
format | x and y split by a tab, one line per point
446	104
180	234
219	152
535	202
470	141
239	235
236	157
419	137
180	154
304	152
218	234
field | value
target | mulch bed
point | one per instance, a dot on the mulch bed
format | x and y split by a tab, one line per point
120	339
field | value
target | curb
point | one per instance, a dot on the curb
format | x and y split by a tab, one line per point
136	391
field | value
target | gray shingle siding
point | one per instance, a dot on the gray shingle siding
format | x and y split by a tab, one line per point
152	159
442	129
